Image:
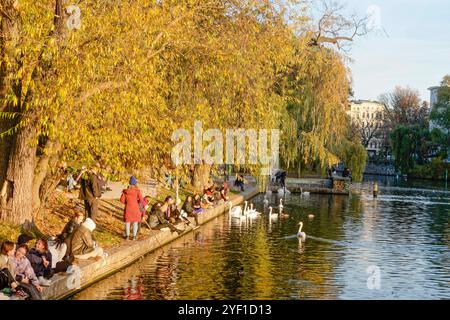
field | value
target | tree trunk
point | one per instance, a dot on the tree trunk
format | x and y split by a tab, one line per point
200	175
9	41
51	151
19	179
18	189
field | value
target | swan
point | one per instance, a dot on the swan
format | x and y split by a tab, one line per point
252	213
280	207
301	235
235	211
306	193
283	191
272	215
245	208
252	210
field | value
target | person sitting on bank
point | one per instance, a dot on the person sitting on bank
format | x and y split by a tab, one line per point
170	210
41	262
152	218
224	191
24	273
157	219
68	231
23	239
7	278
133	200
83	246
197	204
189	209
208	197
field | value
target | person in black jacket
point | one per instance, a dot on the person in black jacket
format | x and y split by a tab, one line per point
41	261
90	192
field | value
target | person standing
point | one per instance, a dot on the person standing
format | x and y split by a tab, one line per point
132	198
240	182
90	192
283	179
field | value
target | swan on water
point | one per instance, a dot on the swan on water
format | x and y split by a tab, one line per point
252	213
272	215
280	207
252	210
306	193
283	191
301	235
235	211
245	208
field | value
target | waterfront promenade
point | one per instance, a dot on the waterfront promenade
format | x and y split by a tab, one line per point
88	272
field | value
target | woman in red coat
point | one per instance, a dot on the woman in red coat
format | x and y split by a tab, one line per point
132	198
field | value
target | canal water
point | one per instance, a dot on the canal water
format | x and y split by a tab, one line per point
394	247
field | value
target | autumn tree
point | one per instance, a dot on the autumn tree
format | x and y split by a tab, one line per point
404	107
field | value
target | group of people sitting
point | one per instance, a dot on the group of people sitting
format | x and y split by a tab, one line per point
168	213
24	270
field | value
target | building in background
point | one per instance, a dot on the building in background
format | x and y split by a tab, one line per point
368	118
434	92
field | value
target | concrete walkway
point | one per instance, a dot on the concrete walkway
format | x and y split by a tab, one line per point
87	272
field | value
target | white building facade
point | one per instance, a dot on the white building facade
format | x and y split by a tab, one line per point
369	118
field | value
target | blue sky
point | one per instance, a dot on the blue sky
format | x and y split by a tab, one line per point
415	52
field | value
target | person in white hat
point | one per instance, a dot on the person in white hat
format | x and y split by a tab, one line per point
83	245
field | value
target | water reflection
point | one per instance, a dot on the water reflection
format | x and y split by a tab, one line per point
404	232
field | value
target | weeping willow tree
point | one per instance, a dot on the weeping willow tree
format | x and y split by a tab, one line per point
315	126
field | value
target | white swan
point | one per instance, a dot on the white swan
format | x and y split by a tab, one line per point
235	211
253	210
272	215
283	191
280	206
245	208
301	235
252	213
306	193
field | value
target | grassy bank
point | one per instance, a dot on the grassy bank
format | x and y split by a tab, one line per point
61	206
